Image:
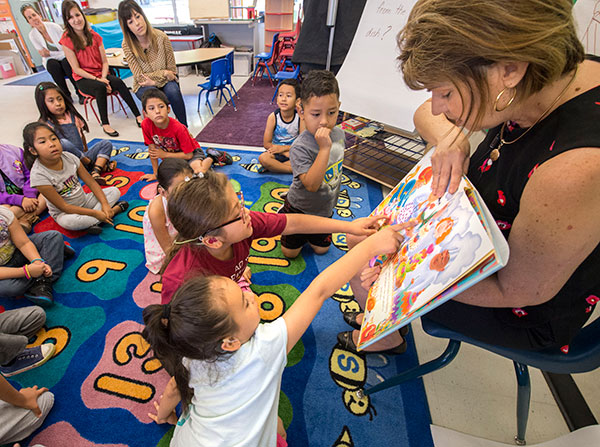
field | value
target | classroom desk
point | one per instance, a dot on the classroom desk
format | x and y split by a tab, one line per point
182	58
191	40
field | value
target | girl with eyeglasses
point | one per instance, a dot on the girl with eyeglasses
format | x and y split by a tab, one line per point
216	230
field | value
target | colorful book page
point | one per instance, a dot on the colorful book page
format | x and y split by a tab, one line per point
446	246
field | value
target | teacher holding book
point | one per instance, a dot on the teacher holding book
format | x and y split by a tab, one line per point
519	70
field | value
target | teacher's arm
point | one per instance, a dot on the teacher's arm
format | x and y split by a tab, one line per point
555	231
135	66
104	61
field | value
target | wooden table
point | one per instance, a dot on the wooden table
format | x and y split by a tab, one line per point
182	58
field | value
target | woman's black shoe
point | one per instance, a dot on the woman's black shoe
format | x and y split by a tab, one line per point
114	133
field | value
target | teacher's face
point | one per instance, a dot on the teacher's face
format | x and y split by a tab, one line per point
76	19
32	17
137	24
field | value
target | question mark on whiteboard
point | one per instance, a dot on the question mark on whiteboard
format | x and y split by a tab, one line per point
389	28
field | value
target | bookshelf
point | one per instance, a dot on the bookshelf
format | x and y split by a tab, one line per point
279	17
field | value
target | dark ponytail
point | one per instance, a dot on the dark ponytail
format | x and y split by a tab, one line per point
196	205
170	168
193	326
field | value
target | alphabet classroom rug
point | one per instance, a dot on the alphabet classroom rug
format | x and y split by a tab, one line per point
105	379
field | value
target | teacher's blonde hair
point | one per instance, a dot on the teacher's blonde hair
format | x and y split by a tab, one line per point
456	40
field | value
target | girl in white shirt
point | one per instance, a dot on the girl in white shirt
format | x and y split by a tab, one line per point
227	367
45	36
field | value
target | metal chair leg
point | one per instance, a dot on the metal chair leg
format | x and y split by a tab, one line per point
523	399
444	359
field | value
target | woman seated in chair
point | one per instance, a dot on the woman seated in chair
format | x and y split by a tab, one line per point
150	57
85	53
517	69
45	37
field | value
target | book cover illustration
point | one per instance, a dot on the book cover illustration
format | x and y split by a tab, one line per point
449	248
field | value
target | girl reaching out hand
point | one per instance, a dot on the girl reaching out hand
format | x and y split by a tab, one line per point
56	174
227	367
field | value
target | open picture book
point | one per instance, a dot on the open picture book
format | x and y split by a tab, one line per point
454	244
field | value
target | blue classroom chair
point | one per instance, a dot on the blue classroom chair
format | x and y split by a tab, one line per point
583	356
229	58
264	60
281	75
217	82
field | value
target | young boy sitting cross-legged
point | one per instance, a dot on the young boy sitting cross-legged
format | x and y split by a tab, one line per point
168	138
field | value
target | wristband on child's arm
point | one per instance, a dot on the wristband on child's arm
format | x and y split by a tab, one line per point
26	270
38	259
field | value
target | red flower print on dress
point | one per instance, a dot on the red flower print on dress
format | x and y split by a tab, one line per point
533	170
501	198
486	165
588	309
592	299
503	225
552	145
565	349
519	312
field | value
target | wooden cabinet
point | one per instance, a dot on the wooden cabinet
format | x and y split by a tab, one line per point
279	17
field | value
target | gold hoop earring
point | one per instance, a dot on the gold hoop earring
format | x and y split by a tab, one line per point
509	101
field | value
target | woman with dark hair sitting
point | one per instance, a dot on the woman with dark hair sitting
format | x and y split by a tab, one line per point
45	37
150	57
517	69
85	52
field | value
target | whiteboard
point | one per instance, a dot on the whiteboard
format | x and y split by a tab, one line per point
209	9
587	20
371	84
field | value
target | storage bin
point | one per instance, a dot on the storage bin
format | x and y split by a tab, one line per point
7	68
279	22
242	63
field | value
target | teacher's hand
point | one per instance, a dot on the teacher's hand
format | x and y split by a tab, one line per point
147	82
170	75
44	52
449	162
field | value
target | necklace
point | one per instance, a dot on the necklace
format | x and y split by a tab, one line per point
495	154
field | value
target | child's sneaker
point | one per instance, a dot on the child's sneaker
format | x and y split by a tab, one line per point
220	158
28	359
40	292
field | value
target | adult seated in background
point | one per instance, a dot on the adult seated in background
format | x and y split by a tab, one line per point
85	52
45	37
517	69
150	57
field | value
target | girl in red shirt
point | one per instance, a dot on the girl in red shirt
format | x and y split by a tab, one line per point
85	53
